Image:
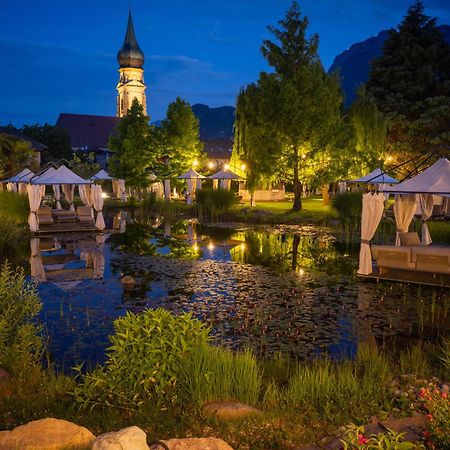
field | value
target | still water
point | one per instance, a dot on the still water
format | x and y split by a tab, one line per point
272	289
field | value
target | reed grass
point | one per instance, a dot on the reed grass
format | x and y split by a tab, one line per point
414	360
14	207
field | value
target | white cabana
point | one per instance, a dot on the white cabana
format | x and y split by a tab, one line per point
17	182
372	211
225	177
118	187
377	176
35	194
192	178
102	175
96	192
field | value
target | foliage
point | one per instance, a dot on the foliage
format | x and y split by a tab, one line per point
411	85
289	122
214	374
14	154
179	137
14	207
212	202
414	360
348	204
84	165
444	356
369	131
56	139
144	362
21	344
134	152
437	404
354	439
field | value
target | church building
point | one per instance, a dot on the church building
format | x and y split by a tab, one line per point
90	133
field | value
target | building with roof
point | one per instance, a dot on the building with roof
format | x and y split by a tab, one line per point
89	133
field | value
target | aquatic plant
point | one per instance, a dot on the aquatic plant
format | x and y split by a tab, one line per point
211	203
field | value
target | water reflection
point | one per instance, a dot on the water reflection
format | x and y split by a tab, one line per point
269	289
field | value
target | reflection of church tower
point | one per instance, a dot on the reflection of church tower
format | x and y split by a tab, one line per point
131	79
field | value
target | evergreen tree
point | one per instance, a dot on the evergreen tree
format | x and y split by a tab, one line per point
180	136
411	84
133	149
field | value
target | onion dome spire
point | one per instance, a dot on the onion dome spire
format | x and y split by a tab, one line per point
130	55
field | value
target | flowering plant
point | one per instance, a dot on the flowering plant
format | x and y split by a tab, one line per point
354	439
437	405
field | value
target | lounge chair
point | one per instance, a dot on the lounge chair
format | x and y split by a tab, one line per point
44	215
84	214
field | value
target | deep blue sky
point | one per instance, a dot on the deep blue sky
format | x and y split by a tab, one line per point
60	56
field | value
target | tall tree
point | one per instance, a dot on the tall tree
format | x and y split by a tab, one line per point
411	84
293	112
180	134
133	149
56	139
14	154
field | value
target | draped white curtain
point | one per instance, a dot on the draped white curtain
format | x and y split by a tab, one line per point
86	196
22	188
372	211
97	199
404	209
382	187
11	187
167	189
57	192
342	187
35	194
69	190
426	205
190	189
215	183
225	184
122	191
199	184
37	267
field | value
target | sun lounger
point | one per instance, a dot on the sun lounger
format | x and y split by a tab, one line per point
44	215
84	214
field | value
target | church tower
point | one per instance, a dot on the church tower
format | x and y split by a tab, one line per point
131	73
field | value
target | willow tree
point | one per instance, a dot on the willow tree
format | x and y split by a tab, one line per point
294	111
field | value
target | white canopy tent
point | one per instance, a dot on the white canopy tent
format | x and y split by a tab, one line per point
102	175
193	179
225	177
17	182
377	176
118	186
435	180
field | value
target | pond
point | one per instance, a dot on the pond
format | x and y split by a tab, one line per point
270	289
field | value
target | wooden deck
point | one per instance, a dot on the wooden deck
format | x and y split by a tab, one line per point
410	276
67	227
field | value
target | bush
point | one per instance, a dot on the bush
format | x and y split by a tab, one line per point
216	374
145	361
14	207
21	343
213	202
348	204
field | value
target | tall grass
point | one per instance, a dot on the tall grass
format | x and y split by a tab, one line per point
14	207
217	374
414	360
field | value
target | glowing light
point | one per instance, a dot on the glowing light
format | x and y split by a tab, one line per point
195	163
211	165
389	159
226	166
105	195
210	246
242	246
301	272
195	247
243	166
303	156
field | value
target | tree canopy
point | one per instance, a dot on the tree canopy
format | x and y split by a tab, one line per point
14	154
411	84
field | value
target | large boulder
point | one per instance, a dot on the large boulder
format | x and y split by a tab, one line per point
210	443
46	434
131	438
230	410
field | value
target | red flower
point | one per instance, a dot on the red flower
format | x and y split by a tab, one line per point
362	440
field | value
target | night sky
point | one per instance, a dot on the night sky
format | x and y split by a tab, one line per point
60	56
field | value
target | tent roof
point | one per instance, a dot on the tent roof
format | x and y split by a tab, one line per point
225	175
375	177
23	177
43	175
433	180
102	175
190	174
62	175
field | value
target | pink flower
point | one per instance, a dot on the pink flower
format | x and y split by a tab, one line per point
444	395
430	417
362	440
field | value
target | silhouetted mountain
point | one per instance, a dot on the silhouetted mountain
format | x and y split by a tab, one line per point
354	64
215	123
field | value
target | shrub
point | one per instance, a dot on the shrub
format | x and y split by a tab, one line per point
213	202
437	404
444	357
21	343
348	204
14	206
216	374
144	362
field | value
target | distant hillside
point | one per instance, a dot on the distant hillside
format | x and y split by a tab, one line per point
354	64
215	123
